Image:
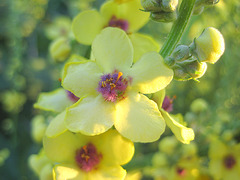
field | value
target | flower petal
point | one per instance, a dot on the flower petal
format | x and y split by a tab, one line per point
158	97
81	78
115	148
182	133
150	74
137	19
113	50
138	119
107	173
90	116
55	101
86	25
63	148
142	44
57	126
68	172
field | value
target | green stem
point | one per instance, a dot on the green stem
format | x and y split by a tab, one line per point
178	27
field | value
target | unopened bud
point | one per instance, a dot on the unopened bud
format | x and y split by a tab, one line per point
199	105
209	46
164	16
189	69
169	5
151	5
180	53
38	128
168	144
60	49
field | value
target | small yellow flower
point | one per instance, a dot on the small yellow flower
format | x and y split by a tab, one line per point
84	157
224	160
61	27
123	14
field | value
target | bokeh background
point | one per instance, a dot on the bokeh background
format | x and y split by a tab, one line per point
26	69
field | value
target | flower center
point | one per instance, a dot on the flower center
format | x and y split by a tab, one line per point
120	23
112	86
229	161
72	97
167	104
181	171
87	158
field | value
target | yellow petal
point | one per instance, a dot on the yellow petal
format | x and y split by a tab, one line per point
81	78
113	50
217	150
136	20
108	173
63	148
158	97
182	133
87	25
142	44
90	116
150	74
57	125
68	172
115	148
138	118
55	101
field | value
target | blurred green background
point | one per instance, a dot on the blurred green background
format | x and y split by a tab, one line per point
26	69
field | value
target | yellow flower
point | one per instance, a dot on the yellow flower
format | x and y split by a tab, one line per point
110	87
61	27
55	101
89	157
124	15
224	160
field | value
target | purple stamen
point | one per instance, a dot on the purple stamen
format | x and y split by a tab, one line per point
87	157
167	104
112	86
229	161
181	171
120	23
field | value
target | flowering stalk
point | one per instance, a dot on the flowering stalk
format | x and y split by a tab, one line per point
178	27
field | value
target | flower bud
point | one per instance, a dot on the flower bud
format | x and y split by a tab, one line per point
169	5
151	5
189	69
180	53
60	49
209	46
168	144
159	160
199	105
38	128
164	16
